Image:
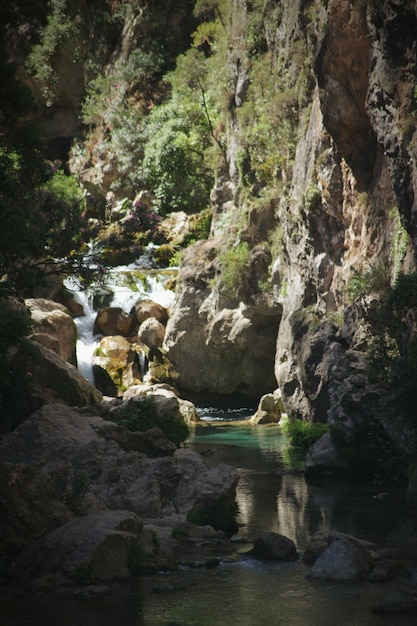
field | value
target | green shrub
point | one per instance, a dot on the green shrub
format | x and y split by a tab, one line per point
304	434
233	261
375	280
145	416
15	350
174	164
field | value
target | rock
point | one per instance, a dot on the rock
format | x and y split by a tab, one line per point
166	400
398	603
272	546
114	321
231	345
119	357
152	442
55	379
145	309
83	453
343	560
324	458
98	547
188	530
151	333
270	409
29	508
321	540
387	569
54	327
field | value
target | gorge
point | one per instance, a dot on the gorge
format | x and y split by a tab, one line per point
267	150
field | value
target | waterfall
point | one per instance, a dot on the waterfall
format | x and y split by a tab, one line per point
125	285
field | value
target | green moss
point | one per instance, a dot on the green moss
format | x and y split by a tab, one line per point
233	262
304	434
145	416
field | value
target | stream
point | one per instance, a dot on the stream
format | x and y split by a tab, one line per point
271	495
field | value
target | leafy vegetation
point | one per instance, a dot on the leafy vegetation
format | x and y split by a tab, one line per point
392	359
233	262
145	416
302	433
375	280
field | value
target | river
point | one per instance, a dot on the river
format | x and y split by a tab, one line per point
271	495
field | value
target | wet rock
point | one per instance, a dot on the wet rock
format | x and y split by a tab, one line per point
387	569
321	540
343	560
151	333
397	604
324	458
272	546
145	309
114	321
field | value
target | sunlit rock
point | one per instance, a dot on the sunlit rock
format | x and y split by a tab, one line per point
144	309
270	409
54	327
53	379
114	321
151	333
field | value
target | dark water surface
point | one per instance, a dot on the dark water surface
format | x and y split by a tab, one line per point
242	591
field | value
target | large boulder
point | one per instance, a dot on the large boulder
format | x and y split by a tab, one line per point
83	451
151	333
219	347
54	327
321	540
29	508
144	309
114	321
324	458
343	560
270	409
120	358
97	547
56	380
165	398
273	546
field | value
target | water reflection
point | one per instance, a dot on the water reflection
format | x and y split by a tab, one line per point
273	496
244	591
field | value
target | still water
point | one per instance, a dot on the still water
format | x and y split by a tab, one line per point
271	495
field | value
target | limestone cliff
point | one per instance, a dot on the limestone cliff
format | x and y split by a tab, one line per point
310	109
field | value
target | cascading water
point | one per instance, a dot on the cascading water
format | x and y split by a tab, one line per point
125	285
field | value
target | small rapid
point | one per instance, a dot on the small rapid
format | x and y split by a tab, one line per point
125	285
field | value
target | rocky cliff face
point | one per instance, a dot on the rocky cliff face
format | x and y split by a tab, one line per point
350	188
313	186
